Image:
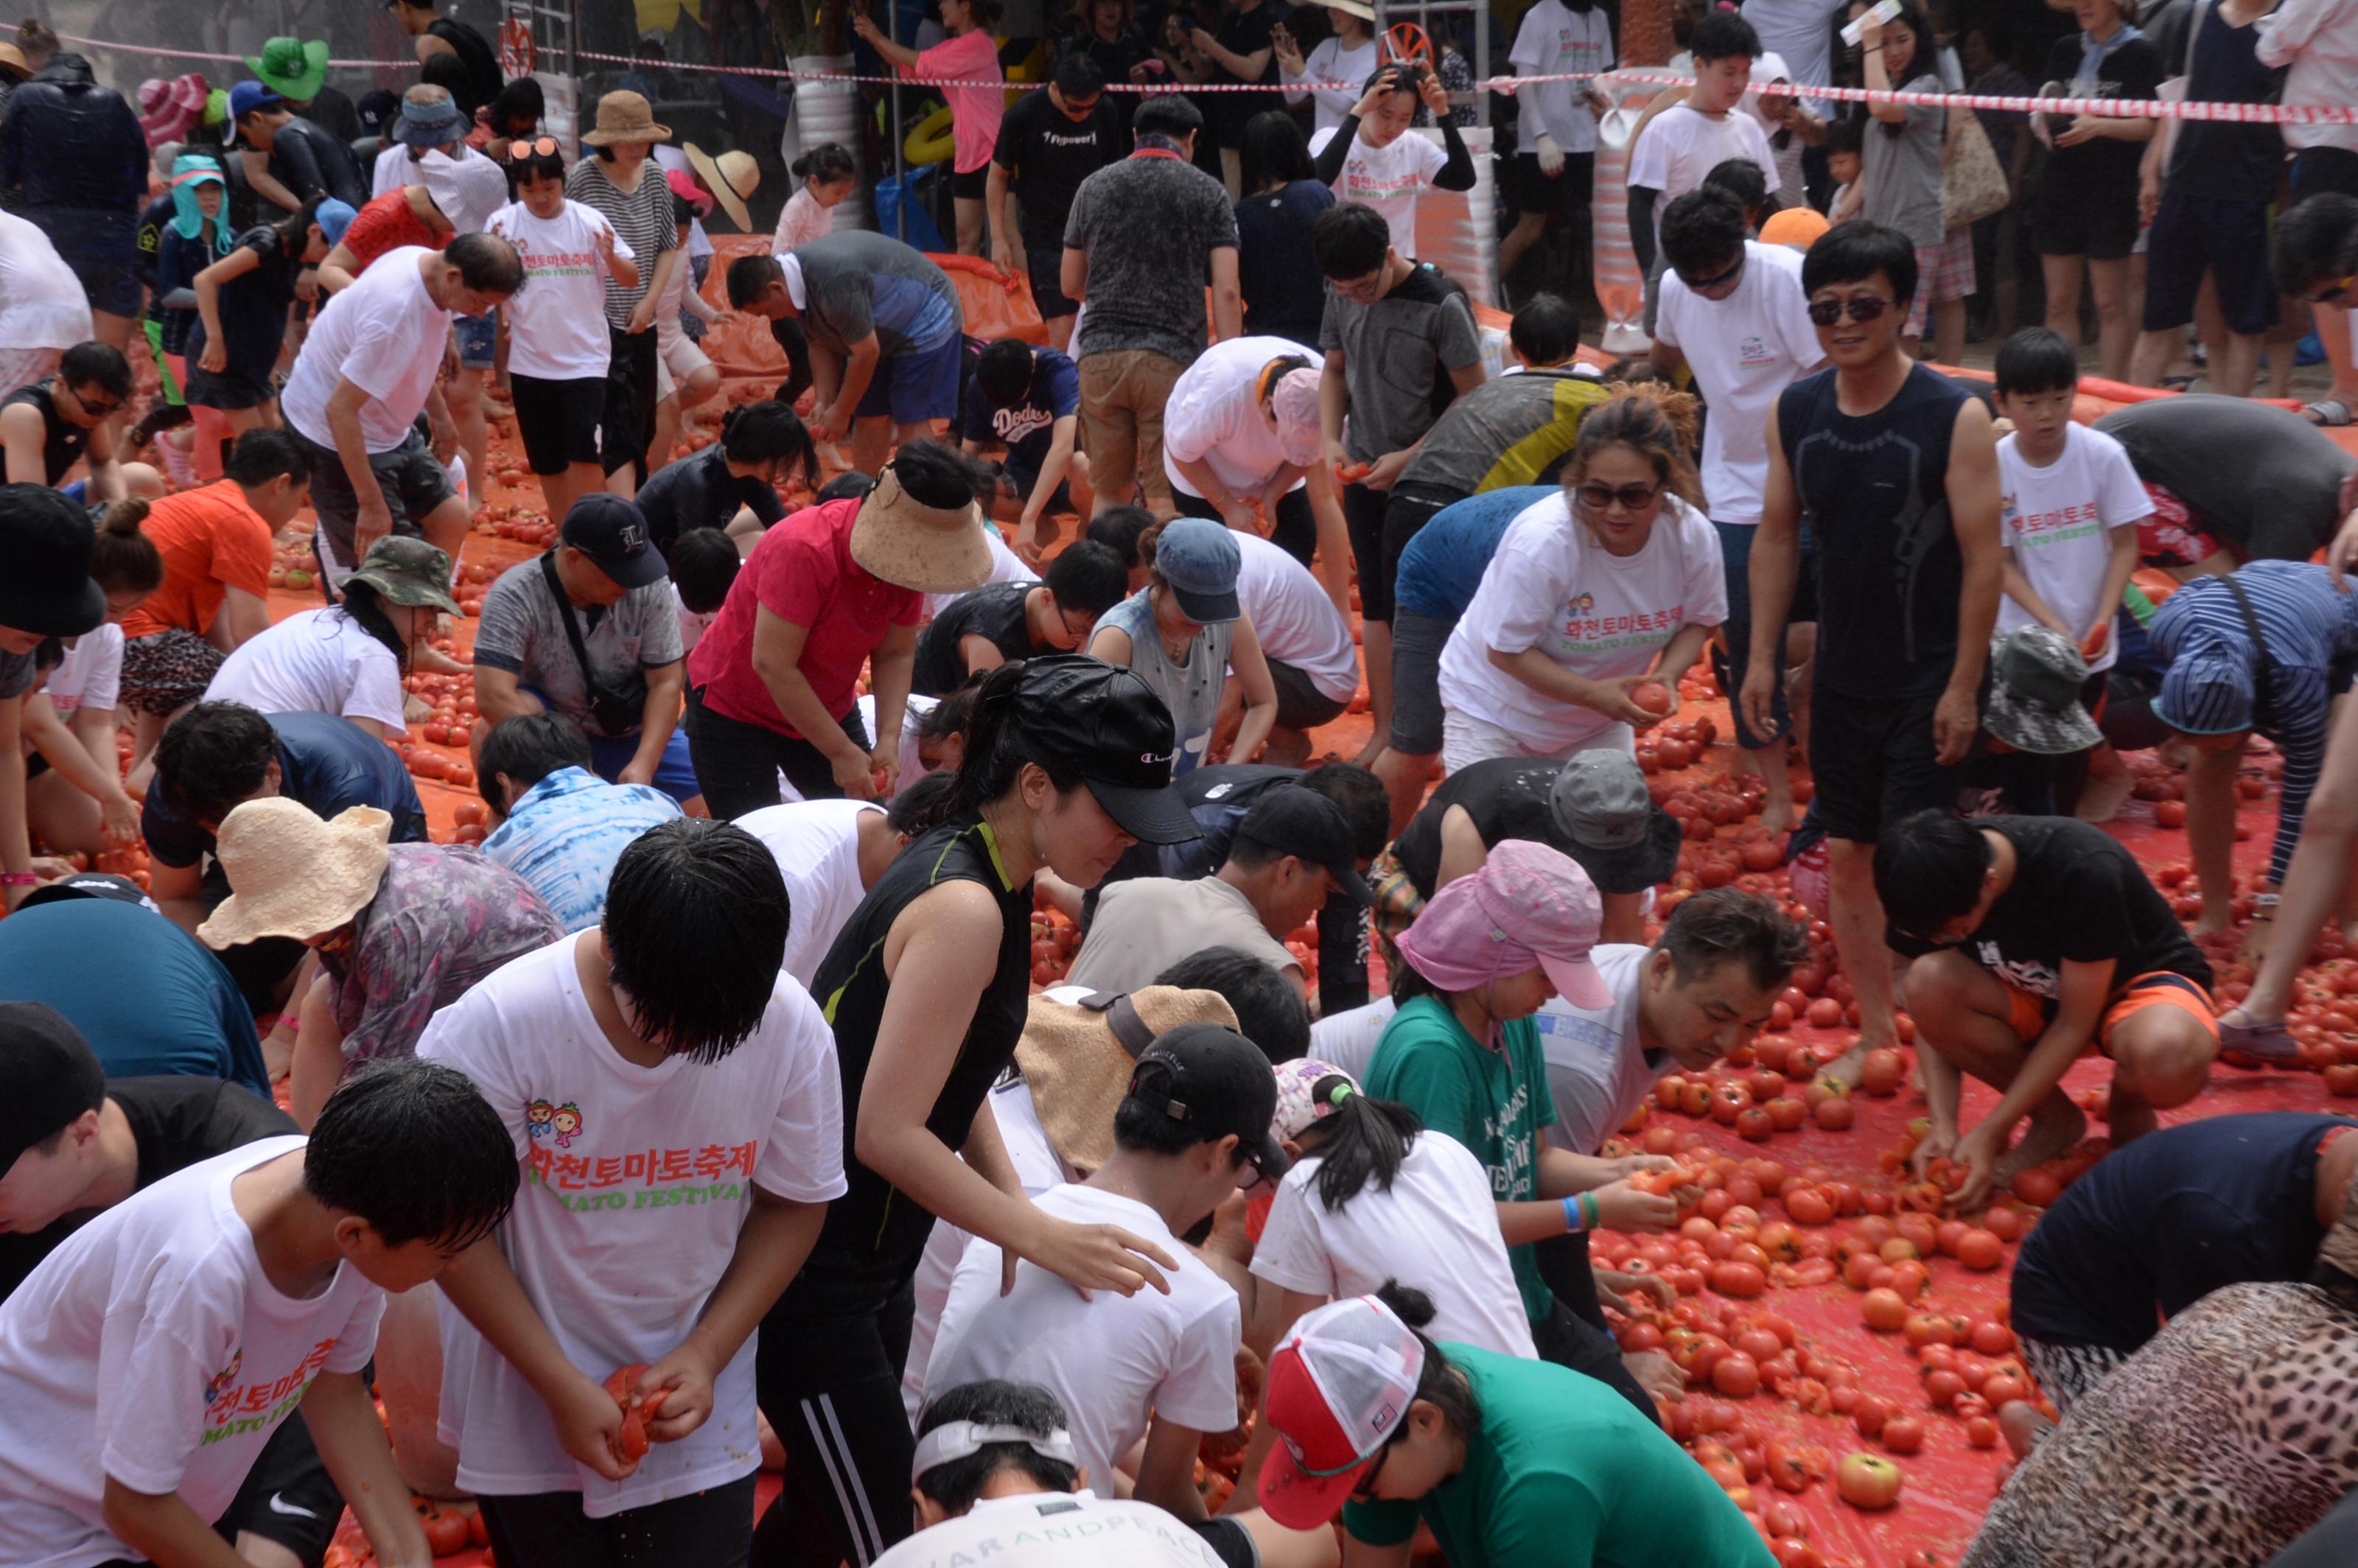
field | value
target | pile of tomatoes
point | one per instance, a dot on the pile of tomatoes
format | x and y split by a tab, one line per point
450	725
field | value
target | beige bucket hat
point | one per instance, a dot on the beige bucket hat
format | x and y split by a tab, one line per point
296	875
625	116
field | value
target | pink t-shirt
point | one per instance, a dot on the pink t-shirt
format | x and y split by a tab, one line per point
974	112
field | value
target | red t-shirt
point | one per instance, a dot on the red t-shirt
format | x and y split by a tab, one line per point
211	541
802	571
387	223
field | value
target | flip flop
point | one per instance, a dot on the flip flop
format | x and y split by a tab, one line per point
2255	1045
2328	411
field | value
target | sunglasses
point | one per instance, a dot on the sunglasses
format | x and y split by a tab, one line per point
1632	497
1865	308
2332	293
1719	279
543	147
96	408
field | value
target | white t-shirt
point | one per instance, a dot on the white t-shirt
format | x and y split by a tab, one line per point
1330	61
1006	565
818	846
2059	520
150	1346
632	1175
1597	1070
557	322
1056	1530
693	624
1555	40
1112	1362
1348	1039
315	661
1746	349
1294	619
42	303
1212	417
1389	179
1436	1228
1683	144
1802	31
1553	587
91	675
394	169
385	335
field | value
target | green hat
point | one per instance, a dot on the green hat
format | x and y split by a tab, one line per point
407	571
291	68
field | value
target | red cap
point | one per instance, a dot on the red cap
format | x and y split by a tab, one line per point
1339	1386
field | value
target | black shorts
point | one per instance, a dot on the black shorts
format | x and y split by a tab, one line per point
1024	479
548	1530
1300	704
628	427
1363	513
1555	199
558	420
2192	234
288	1497
2317	170
1230	1542
2074	220
1874	762
969	186
1047	268
411	480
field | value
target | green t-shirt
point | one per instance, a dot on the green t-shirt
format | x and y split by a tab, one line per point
1566	1474
1494	1102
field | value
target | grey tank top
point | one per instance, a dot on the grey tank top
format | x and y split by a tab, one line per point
1190	688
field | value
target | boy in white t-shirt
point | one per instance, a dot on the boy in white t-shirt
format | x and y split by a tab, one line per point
1687	141
148	1360
673	1099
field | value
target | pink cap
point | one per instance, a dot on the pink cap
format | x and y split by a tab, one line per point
1300	436
1339	1386
1529	908
684	185
1298	1103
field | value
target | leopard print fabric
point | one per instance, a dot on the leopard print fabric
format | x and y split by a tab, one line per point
2233	1431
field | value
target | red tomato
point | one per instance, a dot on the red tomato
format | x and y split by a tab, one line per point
1762	1346
1782	1518
1787	1114
1808	1205
1981	1432
1754	1125
1942	1388
2038	1187
1826	1013
1739	1279
1903	1434
446	1532
1869	1414
2002	1389
1735	1374
1835	1115
1884	1310
622	1385
2004	1223
1947	1237
1651	696
1881	1072
1980	1249
1992	1337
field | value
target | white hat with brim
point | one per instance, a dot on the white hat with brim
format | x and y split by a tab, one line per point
731	177
1351	8
932	549
294	875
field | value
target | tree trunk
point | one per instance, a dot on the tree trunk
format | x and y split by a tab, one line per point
1646	32
835	36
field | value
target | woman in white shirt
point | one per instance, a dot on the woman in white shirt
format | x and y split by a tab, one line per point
1610	587
1348	55
349	658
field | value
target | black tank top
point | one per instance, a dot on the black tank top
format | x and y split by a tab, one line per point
873	1222
61	440
474	52
1874	492
1508	797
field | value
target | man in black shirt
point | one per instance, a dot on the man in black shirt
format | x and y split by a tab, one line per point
1050	141
441	35
1002	621
2033	936
287	161
74	1143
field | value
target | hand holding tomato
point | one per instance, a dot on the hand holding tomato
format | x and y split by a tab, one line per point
1939	1143
588	1426
676	1393
1977	1151
1616	1287
1621	1207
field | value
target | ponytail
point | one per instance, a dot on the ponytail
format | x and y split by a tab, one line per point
826	164
122	558
996	752
1439	1384
1362	1139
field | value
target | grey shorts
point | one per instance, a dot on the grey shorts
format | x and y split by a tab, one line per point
1300	704
1417	641
411	480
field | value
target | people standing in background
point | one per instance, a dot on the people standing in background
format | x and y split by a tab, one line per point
1347	54
1555	161
2088	200
479	80
1051	140
1242	50
289	161
1685	142
1987	52
970	55
623	183
297	71
1106	31
73	161
2315	43
1901	179
242	303
1284	293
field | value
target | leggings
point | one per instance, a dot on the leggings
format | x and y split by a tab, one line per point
548	1530
1575	1336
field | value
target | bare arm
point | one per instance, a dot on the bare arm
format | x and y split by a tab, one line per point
658	719
372	520
75	758
266	184
1007	247
777	1236
2118	569
165	1530
777	658
243	617
1972	491
105	473
1166	1469
1462	852
484	1289
351	1438
2080	1008
1776	567
1061	437
334	275
1250	670
500	698
22	434
15	839
1073	275
1227	300
889	669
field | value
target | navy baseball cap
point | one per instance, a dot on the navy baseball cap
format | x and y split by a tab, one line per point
613	533
245	99
1200	560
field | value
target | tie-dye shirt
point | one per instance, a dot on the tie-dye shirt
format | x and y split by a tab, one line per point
566	832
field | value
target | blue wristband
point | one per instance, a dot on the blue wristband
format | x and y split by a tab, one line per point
1573	1223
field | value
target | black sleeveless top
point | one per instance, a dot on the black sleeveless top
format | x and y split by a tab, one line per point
873	1222
61	439
474	52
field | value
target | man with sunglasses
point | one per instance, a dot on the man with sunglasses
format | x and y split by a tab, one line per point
60	420
1732	312
1893	470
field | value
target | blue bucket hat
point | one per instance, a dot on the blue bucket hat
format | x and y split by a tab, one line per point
2208	691
434	123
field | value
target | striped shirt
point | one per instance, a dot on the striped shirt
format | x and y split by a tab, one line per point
566	832
2312	646
642	220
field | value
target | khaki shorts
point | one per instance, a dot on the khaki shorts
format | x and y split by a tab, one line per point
678	358
1122	395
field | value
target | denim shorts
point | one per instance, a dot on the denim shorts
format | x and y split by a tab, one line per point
916	387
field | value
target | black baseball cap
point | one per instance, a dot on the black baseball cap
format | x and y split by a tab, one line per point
1213	1081
1303	823
88	884
51	1073
1105	723
46	541
613	533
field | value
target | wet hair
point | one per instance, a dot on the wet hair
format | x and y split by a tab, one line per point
1076	75
2317	242
520	99
957	1484
1167	115
2037	360
527	749
696	919
770	431
996	750
1724	925
1633	370
1269	1011
1740	177
364	606
948	719
1363	1139
1655	421
915	805
1128	531
122	558
1855	251
704	562
1545	331
1439	1384
1721	34
1274	152
404	1113
214	758
1002	372
1928	869
1350	240
823	165
1088	577
1366	805
1702	227
261	456
749	277
1845	136
937	475
486	262
449	72
847	486
97	365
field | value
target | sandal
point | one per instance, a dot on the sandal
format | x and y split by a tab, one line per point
2253	1046
2330	412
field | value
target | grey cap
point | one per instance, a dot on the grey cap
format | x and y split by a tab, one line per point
2036	678
1600	800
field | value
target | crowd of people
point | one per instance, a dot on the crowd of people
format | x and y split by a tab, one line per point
707	1108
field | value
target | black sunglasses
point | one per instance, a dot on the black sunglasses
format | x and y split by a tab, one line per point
1632	497
1725	276
1865	308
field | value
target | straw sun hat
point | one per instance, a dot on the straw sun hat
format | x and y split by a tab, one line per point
932	549
626	117
295	874
731	177
1077	1058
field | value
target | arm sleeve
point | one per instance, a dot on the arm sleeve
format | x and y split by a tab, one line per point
152	1412
1517	600
1425	1082
795	583
1706	584
1289	1253
1327	161
1380	1524
1457	170
1757	138
802	1159
503	633
2120	497
388	993
2287	30
1556	1520
1460	344
1200	1388
293	155
848	307
1076	222
1064	389
172	840
2214	1247
659	642
376	687
242	555
1342	955
1641	224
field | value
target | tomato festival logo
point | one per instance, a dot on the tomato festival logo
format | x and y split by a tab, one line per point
559	1123
218	1383
233	1409
644	1178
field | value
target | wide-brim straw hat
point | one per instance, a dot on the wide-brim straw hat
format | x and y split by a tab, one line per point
294	874
1077	1060
627	117
932	549
731	177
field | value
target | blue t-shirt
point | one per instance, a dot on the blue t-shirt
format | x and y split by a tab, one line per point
2156	1226
326	762
1028	424
151	1000
1444	564
566	832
